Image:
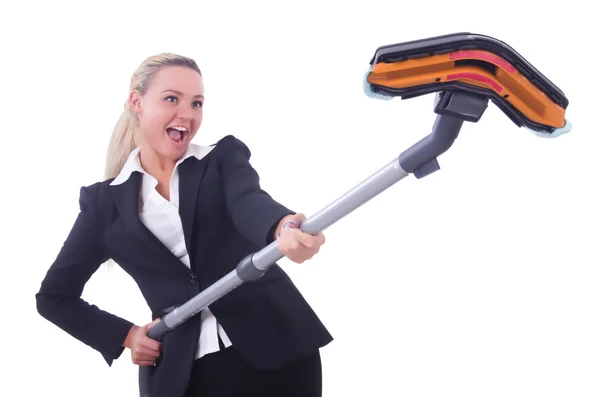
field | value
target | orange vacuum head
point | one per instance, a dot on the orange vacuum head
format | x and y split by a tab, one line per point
473	63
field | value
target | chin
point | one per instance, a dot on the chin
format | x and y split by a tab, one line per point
176	153
174	150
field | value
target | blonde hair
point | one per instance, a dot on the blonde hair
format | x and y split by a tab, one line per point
124	137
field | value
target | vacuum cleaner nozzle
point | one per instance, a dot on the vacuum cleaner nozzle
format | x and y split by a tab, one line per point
473	63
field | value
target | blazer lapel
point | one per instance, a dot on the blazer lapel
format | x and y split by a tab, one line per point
191	173
128	203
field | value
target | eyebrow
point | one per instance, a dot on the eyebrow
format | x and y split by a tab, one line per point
179	93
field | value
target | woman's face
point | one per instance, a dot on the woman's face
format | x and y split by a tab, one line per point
170	112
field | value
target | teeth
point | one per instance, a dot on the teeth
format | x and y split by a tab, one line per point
181	133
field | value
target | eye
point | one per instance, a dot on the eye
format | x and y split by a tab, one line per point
171	98
198	104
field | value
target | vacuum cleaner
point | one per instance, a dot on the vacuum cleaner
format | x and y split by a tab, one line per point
465	71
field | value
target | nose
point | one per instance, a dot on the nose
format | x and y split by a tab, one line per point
185	112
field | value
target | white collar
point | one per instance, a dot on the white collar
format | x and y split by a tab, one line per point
133	161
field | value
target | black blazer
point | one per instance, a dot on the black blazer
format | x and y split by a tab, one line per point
226	216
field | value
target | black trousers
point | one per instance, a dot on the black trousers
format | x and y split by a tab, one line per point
225	374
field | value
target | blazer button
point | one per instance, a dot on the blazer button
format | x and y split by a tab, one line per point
193	278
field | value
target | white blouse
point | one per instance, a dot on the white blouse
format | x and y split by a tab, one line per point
162	218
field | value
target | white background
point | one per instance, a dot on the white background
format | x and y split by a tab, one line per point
479	280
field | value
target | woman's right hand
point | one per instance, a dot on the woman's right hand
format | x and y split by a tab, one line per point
144	350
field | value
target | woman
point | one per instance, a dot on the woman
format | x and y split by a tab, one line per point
177	217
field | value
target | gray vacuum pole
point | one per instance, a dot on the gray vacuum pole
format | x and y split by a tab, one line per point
420	160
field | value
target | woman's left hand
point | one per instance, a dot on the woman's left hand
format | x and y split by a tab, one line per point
294	243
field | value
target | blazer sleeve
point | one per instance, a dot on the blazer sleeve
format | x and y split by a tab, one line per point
253	211
59	298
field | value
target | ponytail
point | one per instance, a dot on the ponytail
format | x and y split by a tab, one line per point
122	143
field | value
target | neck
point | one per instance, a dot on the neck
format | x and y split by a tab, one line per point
155	164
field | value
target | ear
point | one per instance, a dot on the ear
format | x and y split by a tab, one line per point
135	101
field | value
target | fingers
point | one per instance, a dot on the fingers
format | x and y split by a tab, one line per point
151	325
145	350
297	245
308	240
147	341
144	356
292	233
144	363
150	343
143	353
298	218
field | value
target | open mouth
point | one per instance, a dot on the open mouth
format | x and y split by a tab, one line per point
177	133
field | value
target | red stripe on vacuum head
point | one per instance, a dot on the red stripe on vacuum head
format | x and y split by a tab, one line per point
484	56
478	77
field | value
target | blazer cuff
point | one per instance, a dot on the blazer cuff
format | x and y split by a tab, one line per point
270	234
113	348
